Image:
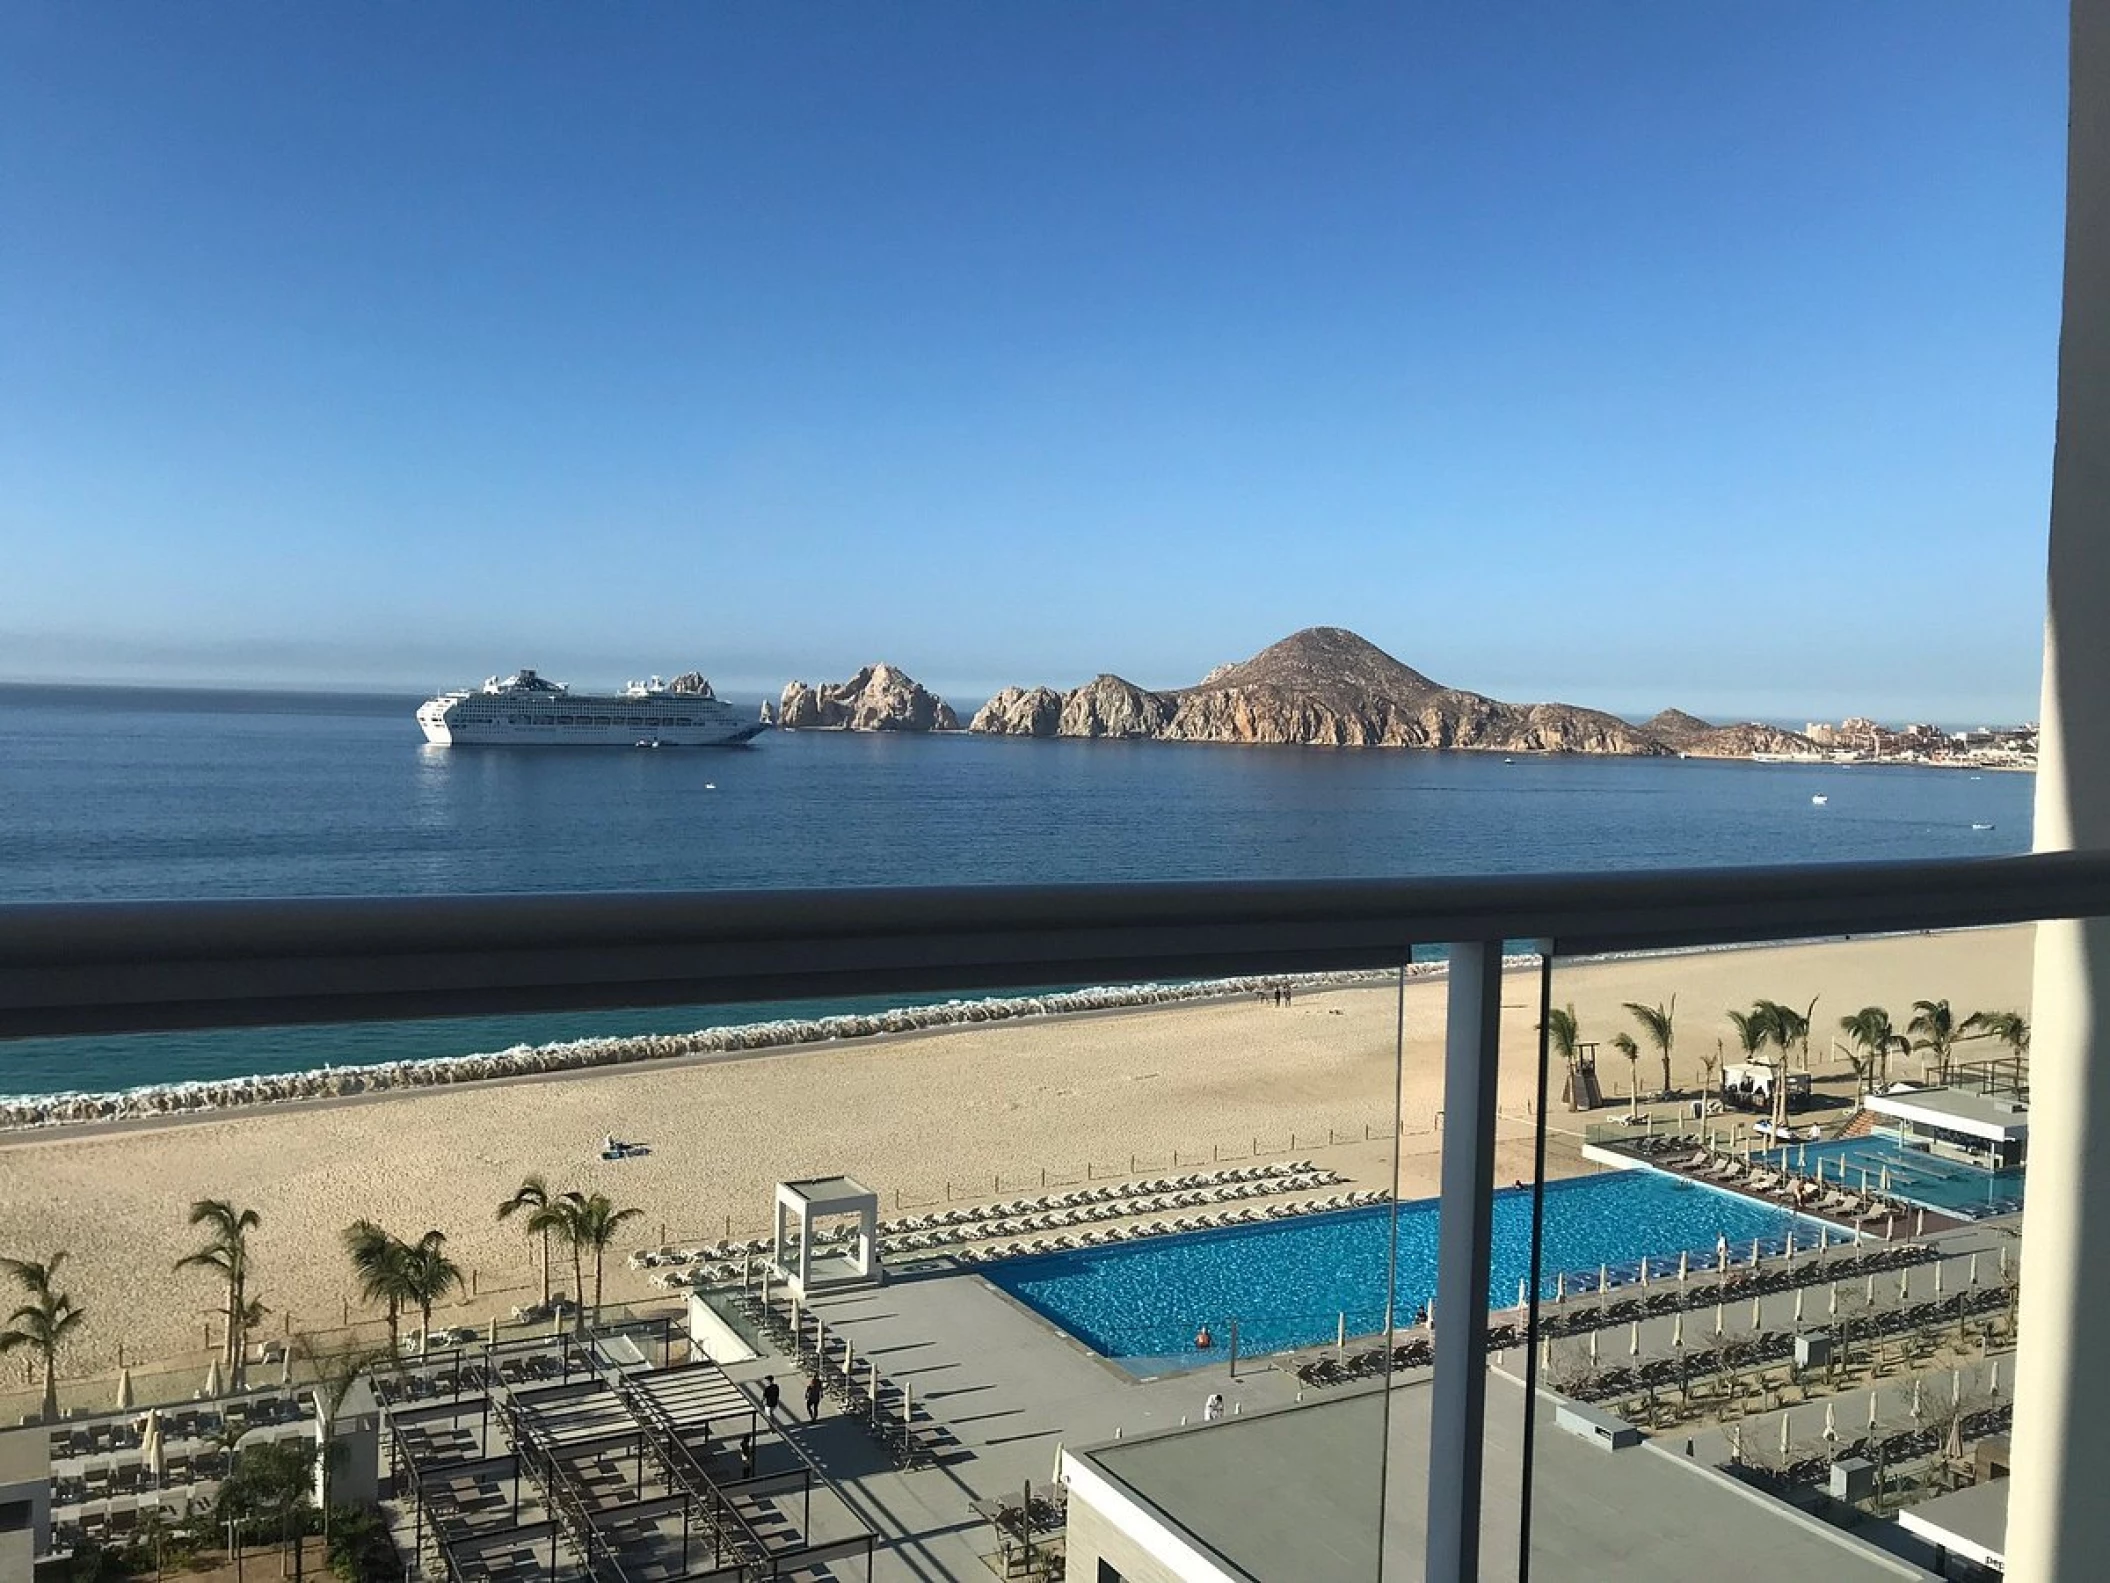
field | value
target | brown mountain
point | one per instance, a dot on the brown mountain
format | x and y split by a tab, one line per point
1328	687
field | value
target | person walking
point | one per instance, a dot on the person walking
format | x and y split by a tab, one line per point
770	1396
813	1398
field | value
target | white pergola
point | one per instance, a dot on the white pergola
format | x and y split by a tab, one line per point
799	1204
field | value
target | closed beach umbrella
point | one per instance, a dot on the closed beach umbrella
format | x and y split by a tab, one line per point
1633	1340
1055	1478
153	1450
1721	1252
1560	1286
1937	1278
1972	1274
1992	1377
2003	1260
1756	1312
1872	1411
1919	1222
1523	1294
1954	1449
1546	1353
1593	1349
1917	1411
1784	1431
1717	1318
1883	1181
1736	1442
285	1367
124	1390
1754	1253
1677	1330
1644	1269
1904	1283
1869	1296
1604	1278
1831	1426
1832	1301
1683	1269
212	1380
493	1339
1798	1305
1791	1245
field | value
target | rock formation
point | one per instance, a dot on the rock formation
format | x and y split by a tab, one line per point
1328	687
878	698
1020	712
769	713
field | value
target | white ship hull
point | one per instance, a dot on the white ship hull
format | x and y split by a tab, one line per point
525	711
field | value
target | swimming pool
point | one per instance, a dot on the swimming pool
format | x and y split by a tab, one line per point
1965	1191
1287	1282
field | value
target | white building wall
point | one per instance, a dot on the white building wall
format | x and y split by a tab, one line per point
2058	1522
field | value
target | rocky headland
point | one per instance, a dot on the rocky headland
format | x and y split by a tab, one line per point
1327	687
878	698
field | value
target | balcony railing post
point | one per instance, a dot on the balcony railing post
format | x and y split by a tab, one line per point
1458	1401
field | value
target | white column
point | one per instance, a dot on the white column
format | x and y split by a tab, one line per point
1464	1230
2058	1526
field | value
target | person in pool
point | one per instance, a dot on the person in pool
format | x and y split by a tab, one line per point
1203	1341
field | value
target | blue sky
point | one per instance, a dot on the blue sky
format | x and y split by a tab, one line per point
1629	354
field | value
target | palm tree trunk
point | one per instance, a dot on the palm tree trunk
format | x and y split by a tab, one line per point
597	1253
578	1289
425	1333
545	1266
395	1340
1666	1069
51	1387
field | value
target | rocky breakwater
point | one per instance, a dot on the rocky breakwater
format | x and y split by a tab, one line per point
1320	687
878	698
166	1100
1695	738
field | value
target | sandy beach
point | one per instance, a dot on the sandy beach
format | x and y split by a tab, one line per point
919	1116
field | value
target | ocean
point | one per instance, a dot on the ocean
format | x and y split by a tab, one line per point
109	794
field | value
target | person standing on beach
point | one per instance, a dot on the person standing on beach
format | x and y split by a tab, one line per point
770	1396
813	1398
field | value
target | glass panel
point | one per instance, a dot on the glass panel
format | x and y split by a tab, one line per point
1824	1173
1146	1230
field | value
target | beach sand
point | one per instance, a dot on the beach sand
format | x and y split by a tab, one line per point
915	1116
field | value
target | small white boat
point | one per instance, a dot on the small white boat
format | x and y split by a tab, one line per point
1819	799
1981	827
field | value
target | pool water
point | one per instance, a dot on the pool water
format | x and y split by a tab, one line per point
1965	1191
1287	1282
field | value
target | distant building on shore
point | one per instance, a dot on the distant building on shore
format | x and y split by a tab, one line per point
1858	739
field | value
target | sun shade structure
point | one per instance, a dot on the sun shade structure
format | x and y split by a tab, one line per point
836	1265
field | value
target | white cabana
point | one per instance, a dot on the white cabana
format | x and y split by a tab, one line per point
831	1266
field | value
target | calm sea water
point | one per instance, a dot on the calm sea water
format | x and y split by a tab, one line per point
123	794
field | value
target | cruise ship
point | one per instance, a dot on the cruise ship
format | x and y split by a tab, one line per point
531	710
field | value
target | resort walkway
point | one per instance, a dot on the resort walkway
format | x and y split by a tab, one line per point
1003	1390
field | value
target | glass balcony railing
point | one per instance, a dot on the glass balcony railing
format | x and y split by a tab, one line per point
1447	1230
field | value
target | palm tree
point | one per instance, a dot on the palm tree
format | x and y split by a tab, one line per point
1624	1043
559	1216
1753	1028
1933	1029
532	1194
226	1253
428	1275
1564	1033
1802	1027
1784	1026
2011	1028
377	1259
1870	1029
594	1221
44	1322
1657	1025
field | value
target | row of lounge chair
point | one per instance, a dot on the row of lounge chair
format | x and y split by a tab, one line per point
877	1404
1277	1176
1102	1235
1763	1180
